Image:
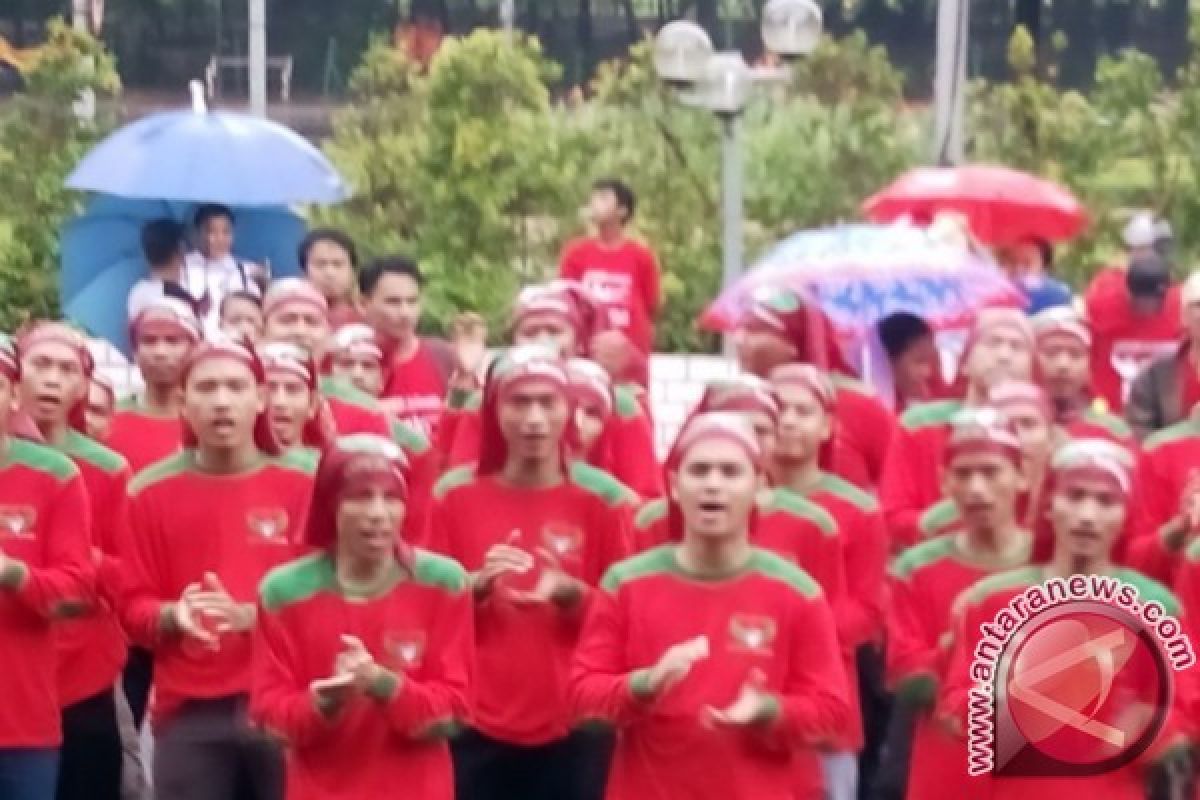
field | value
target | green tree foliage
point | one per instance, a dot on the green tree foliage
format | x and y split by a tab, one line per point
41	139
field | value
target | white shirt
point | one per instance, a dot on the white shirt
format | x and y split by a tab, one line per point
215	279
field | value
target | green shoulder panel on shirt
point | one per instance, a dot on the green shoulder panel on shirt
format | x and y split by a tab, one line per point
927	415
773	566
1110	422
409	439
88	449
656	561
459	476
942	513
474	401
799	506
1173	433
297	581
1002	581
839	487
1150	589
344	391
299	459
922	555
625	402
445	573
600	483
40	458
159	471
650	513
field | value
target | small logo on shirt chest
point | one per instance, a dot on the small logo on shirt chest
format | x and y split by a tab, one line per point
751	633
268	525
565	541
405	649
17	522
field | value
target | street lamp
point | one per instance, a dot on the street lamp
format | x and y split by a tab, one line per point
723	83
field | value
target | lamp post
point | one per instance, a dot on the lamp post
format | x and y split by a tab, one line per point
722	82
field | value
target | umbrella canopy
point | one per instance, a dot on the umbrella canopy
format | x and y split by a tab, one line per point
102	255
859	274
201	156
1003	206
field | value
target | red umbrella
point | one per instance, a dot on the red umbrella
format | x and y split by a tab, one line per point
1003	206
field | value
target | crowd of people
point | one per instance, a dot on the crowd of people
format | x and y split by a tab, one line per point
323	557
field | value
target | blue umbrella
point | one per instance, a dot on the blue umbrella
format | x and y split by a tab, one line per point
102	255
202	156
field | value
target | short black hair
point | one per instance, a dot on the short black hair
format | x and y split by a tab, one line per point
162	241
626	199
332	235
210	211
369	278
900	330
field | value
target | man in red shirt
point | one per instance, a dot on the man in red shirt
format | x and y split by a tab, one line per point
419	369
56	369
294	404
45	573
779	328
146	428
536	533
205	527
717	660
1000	348
392	622
620	272
983	476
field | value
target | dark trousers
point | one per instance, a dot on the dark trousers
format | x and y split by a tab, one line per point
90	765
876	705
572	768
28	774
136	680
209	751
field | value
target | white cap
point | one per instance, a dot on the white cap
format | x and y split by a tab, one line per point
1142	231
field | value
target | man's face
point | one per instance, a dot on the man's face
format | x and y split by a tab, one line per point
364	372
715	488
1026	259
216	237
589	422
604	208
242	318
301	325
549	331
368	524
99	411
1088	516
1000	355
1064	365
804	424
290	404
160	356
533	416
221	401
759	352
984	487
8	402
915	369
394	307
1035	433
52	382
330	270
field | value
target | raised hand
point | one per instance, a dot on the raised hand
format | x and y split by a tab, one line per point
754	705
215	601
554	585
187	613
675	664
501	559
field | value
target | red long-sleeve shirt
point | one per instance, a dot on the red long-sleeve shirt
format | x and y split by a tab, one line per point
44	523
91	650
141	437
523	652
912	473
1169	459
863	430
416	390
419	628
769	616
624	278
625	448
184	522
978	606
925	580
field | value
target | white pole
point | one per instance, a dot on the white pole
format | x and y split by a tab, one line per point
257	57
80	11
950	80
732	205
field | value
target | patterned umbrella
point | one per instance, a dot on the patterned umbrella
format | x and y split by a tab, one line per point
859	274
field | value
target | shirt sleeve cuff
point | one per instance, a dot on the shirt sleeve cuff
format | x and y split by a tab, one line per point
639	685
384	687
14	574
